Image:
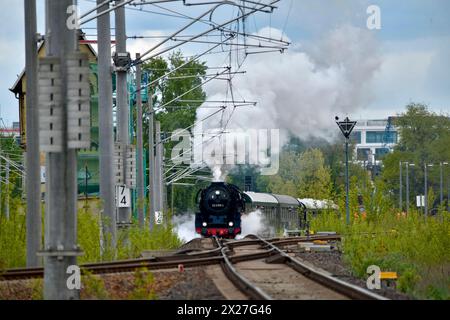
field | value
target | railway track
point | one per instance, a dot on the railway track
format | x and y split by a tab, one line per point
190	256
277	275
258	267
195	259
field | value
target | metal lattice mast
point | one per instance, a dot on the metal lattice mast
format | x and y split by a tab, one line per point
139	147
7	189
158	191
151	164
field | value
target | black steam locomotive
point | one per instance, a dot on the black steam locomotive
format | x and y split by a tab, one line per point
220	206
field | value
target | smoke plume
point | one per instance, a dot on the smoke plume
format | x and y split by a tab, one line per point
301	91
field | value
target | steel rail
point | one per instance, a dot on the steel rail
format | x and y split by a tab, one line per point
319	276
283	241
157	263
238	280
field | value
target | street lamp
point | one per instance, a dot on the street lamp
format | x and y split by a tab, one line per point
442	182
426	187
407	184
346	127
448	194
400	206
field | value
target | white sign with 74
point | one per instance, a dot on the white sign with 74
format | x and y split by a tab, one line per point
123	197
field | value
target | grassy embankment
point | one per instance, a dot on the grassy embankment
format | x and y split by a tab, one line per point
130	242
418	249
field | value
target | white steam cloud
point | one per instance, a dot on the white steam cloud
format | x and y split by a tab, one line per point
301	91
253	223
185	227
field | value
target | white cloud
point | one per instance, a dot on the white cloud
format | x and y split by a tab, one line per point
412	71
141	45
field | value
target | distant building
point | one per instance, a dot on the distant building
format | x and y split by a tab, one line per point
87	159
373	139
10	131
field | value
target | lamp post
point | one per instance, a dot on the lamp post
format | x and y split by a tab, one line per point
346	127
442	182
448	194
400	205
426	188
407	184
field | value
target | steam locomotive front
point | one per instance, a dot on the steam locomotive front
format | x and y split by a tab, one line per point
220	207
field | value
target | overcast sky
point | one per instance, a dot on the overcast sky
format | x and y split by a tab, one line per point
413	44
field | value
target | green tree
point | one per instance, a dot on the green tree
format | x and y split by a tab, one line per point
424	139
287	179
302	175
175	113
314	176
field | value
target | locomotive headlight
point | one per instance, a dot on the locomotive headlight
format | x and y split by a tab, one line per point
205	224
231	224
218	192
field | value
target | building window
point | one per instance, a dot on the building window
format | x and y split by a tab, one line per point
392	137
355	137
380	153
381	137
363	154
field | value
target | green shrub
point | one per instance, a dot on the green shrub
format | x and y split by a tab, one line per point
93	287
408	280
37	289
13	237
414	247
143	285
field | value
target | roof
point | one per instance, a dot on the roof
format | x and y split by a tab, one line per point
286	200
318	204
260	198
16	88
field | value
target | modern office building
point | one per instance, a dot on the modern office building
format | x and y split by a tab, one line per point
373	139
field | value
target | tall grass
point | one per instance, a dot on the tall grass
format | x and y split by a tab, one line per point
13	236
130	243
418	249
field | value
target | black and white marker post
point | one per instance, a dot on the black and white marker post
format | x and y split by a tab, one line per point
346	127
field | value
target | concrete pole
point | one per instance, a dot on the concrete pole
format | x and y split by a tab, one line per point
400	204
441	184
407	187
1	182
151	165
140	145
158	190
106	130
426	191
171	201
7	189
162	184
122	98
33	166
61	171
347	185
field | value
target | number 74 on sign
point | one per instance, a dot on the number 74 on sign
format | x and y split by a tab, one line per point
123	196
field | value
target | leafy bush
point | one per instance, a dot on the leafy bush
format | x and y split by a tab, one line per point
130	243
13	237
93	287
143	282
415	247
